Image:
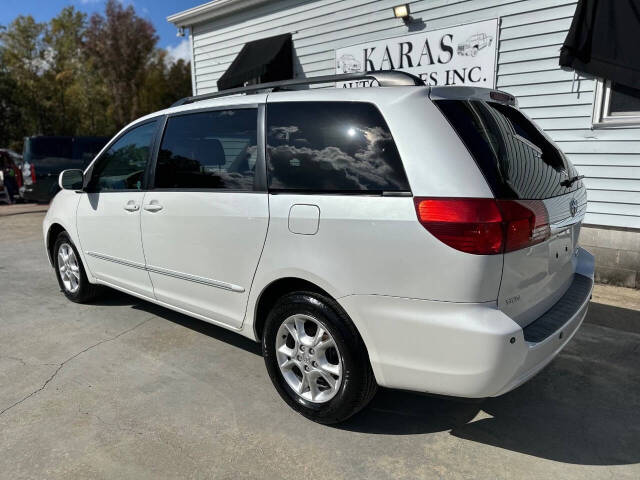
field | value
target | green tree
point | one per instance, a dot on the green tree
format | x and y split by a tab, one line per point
63	43
80	101
97	109
71	76
165	82
23	56
179	80
153	91
10	108
121	45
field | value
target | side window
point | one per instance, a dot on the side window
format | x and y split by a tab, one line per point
214	150
331	147
122	166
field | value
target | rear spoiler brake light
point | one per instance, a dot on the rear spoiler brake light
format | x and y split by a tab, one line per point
502	97
472	93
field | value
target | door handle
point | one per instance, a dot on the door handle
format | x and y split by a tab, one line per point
153	206
131	206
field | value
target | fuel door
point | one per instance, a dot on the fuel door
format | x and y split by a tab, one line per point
304	219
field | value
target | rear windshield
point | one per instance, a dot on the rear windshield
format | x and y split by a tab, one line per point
58	153
516	158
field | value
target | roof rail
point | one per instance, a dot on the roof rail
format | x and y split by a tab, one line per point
384	79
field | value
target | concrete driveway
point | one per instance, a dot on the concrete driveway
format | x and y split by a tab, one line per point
126	389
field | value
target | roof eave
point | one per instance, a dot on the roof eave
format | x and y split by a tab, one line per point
211	10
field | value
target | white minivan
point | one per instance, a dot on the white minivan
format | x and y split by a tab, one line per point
413	237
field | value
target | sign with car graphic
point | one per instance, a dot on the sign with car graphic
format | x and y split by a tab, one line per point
460	55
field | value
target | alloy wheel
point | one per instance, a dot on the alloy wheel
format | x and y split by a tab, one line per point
69	268
309	358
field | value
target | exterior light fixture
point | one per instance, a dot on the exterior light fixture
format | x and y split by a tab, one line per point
180	32
403	12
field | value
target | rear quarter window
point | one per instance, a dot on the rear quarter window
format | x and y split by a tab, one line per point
331	147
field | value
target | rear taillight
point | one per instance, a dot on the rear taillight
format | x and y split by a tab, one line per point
33	173
484	226
472	225
526	223
18	177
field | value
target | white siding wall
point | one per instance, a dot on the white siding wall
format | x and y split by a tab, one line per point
531	34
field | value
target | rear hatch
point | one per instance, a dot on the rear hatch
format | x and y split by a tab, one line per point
521	164
45	157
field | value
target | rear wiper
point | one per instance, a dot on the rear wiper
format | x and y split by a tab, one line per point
570	181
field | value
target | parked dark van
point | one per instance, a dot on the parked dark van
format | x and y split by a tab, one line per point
46	156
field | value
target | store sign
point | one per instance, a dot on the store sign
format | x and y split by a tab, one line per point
460	55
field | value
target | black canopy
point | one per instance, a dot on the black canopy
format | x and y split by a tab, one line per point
604	40
265	60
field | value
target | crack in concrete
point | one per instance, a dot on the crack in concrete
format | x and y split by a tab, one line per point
61	365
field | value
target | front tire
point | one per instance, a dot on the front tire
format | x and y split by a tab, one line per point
316	358
70	271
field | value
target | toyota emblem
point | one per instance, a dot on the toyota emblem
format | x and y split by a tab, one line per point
573	207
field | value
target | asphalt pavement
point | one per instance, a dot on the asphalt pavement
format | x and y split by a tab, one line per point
125	389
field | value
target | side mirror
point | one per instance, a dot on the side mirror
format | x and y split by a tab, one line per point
71	179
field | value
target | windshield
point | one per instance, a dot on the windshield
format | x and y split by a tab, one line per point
516	158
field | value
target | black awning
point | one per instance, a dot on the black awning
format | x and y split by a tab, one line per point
603	40
265	60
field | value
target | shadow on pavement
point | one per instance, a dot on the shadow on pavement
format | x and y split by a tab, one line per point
396	412
615	317
116	298
584	408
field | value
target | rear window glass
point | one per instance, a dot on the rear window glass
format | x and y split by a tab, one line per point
58	153
50	147
86	148
331	147
516	158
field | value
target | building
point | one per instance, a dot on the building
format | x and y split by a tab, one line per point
513	45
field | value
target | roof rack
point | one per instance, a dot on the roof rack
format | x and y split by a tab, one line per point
384	79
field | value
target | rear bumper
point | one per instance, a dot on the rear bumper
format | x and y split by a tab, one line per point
42	190
31	194
466	350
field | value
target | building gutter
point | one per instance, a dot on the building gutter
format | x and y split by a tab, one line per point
210	11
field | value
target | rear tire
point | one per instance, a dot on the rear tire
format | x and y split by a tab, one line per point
309	338
70	272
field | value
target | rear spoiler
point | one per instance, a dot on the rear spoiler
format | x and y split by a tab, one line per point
472	93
